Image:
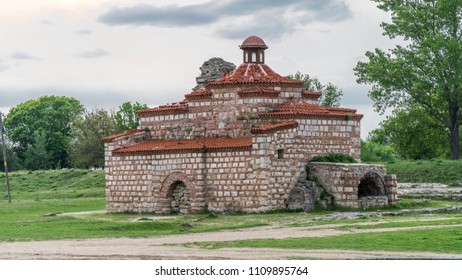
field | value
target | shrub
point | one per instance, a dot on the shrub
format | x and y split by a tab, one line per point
374	152
339	158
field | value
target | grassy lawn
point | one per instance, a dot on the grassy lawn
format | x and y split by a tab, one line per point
42	201
447	240
44	204
429	171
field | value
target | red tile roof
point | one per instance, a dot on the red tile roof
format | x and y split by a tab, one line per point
253	42
274	127
190	145
301	108
201	93
258	92
253	73
126	133
174	108
311	94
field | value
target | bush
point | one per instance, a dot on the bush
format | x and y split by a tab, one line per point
339	158
375	152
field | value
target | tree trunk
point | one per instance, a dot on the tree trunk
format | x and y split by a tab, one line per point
455	141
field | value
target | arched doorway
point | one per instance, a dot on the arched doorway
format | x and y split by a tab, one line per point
371	185
177	194
179	197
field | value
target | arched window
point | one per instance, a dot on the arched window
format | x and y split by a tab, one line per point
254	57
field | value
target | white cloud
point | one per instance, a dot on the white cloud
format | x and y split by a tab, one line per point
84	32
20	55
96	53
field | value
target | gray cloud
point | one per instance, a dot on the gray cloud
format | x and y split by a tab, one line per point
46	22
19	55
96	53
272	18
84	32
3	66
90	98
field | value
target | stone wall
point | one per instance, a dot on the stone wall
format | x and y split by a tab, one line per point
344	182
224	114
256	180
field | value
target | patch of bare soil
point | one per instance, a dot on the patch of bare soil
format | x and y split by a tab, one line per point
169	247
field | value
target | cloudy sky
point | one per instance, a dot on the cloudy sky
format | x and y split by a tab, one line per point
106	52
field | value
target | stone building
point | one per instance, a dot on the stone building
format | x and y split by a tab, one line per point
240	143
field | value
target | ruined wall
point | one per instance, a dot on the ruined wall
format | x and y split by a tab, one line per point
224	114
344	181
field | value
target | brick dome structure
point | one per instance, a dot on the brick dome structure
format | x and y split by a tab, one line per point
253	42
240	143
254	50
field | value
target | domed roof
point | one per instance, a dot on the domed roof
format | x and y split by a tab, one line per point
253	42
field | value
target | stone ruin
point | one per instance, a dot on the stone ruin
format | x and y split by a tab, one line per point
348	185
212	70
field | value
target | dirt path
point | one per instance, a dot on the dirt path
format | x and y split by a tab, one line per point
162	247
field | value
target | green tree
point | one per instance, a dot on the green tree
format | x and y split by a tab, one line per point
331	94
11	158
50	116
36	155
425	71
87	149
126	116
375	152
413	135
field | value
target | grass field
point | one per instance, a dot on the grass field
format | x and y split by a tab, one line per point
446	240
429	171
44	206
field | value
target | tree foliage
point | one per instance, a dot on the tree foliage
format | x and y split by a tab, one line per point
87	149
36	155
426	71
331	94
126	116
413	135
11	158
42	123
376	152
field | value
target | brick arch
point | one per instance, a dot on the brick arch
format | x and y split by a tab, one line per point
167	185
371	184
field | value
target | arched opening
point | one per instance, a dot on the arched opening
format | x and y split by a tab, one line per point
179	195
254	57
371	185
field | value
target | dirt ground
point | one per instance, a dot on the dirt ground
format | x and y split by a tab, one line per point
170	247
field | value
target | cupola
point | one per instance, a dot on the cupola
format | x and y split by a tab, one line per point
254	50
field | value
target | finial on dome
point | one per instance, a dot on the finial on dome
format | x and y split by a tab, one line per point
254	50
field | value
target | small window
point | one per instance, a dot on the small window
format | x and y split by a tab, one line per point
261	57
254	57
246	57
280	153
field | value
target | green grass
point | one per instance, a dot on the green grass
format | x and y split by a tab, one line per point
446	240
431	171
44	201
54	184
453	219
